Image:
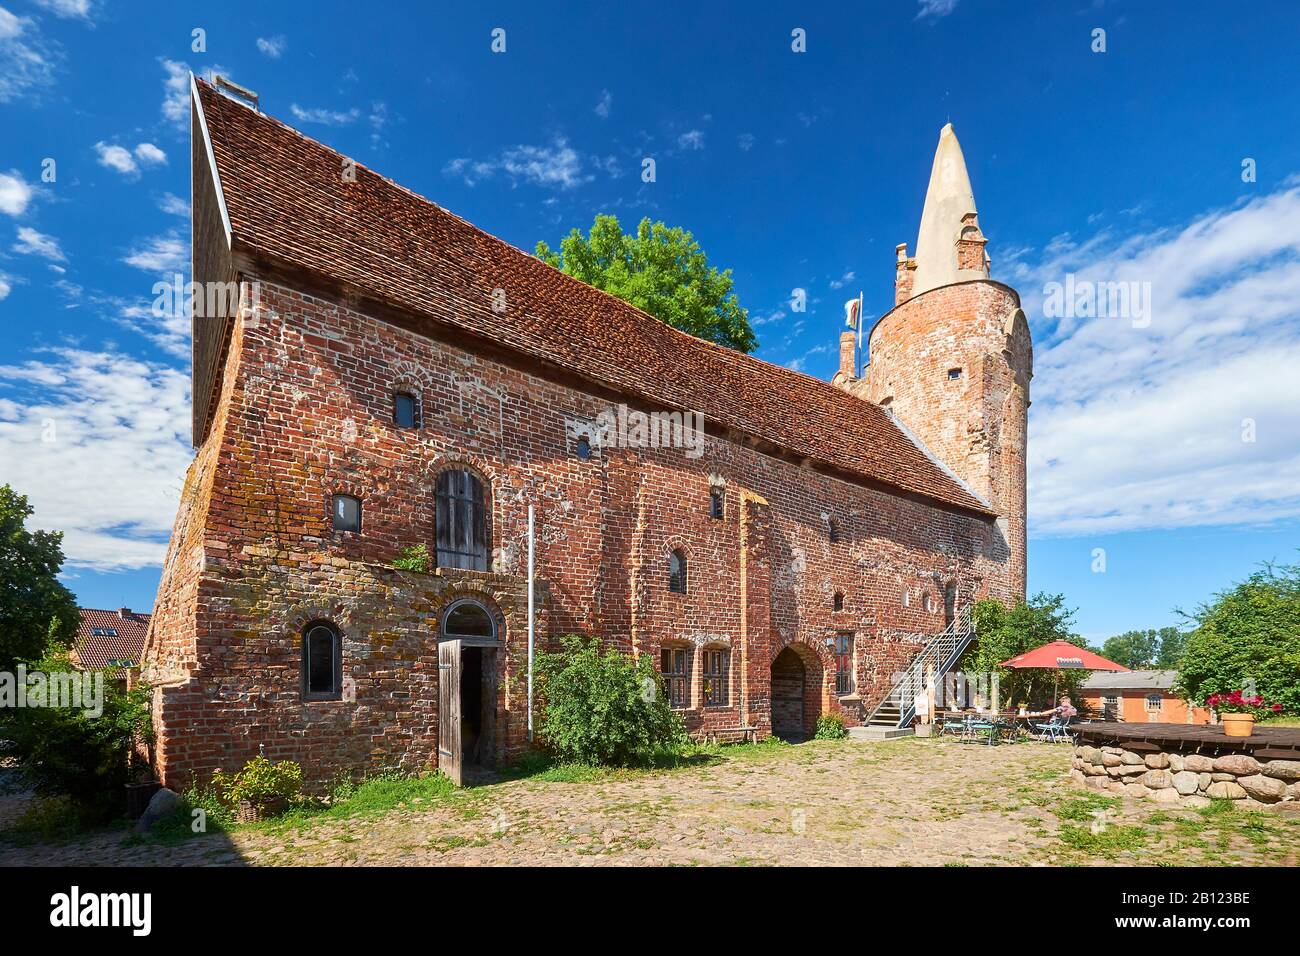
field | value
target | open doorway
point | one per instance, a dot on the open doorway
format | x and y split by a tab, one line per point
467	690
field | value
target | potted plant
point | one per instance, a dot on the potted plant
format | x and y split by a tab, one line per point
262	789
1239	712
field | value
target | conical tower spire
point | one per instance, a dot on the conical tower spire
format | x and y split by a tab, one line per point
949	247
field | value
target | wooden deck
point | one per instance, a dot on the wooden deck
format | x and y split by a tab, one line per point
1267	743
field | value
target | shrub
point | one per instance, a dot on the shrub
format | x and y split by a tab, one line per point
260	782
604	707
414	559
66	751
830	727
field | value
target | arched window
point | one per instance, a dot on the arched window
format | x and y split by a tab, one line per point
460	521
468	618
715	503
583	448
322	662
677	572
837	602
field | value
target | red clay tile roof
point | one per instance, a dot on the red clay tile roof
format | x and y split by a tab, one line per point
287	201
119	639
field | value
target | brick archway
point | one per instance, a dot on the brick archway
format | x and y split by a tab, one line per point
798	690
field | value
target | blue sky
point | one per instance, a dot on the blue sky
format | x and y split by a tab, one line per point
797	170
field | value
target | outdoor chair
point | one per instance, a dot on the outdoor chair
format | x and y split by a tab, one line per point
1055	731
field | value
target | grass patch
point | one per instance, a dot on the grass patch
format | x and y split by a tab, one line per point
1107	842
1085	808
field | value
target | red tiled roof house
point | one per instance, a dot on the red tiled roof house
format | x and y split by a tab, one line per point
385	375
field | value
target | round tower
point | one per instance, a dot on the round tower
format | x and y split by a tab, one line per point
953	359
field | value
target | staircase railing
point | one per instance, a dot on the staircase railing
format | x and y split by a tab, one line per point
941	653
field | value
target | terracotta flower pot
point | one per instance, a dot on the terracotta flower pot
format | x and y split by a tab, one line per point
1238	725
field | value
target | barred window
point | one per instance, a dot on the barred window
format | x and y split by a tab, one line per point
715	678
715	503
1154	701
843	664
677	572
675	665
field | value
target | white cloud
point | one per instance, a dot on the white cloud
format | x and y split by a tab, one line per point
936	8
67	9
167	253
1142	427
272	46
843	280
109	475
116	157
6	285
15	194
557	166
174	205
176	92
694	139
150	155
33	243
603	104
26	60
323	116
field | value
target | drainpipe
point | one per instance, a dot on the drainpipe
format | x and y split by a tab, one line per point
531	625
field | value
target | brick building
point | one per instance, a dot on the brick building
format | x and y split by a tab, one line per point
385	375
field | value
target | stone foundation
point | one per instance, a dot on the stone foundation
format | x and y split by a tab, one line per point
1189	766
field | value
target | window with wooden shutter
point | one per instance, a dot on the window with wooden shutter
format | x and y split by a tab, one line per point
461	521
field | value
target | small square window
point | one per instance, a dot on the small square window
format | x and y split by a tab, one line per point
583	448
953	374
405	411
715	503
347	513
838	602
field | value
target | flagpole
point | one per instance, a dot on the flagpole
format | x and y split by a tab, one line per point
857	352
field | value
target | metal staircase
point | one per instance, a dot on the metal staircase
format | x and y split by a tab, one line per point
941	654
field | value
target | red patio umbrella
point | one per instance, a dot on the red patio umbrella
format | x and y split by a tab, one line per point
1061	656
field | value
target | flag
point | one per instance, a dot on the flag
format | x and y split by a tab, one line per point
851	313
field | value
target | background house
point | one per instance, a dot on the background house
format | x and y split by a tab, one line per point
111	641
1139	696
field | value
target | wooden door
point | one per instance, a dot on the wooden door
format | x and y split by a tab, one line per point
449	742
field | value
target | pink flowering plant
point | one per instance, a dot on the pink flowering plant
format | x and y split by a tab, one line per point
1236	702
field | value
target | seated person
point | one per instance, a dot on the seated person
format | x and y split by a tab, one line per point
1065	710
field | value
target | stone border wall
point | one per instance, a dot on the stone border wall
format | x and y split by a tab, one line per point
1189	780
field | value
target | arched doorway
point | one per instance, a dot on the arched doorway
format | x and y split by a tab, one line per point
467	683
796	693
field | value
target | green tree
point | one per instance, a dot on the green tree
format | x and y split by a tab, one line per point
1248	633
660	270
1145	648
35	609
1002	632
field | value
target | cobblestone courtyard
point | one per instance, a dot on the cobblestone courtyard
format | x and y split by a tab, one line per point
899	803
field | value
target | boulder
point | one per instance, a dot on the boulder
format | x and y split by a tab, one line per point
1243	765
1111	760
1090	754
1156	761
1129	757
1112	750
1133	771
163	804
1186	782
1176	763
1203	781
1294	791
1198	763
1115	787
1098	783
1168	796
1288	770
1115	771
1135	790
1158	779
1093	770
1077	776
1196	800
1226	790
1262	788
1223	777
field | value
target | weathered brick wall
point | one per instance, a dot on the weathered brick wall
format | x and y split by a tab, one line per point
976	423
307	413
